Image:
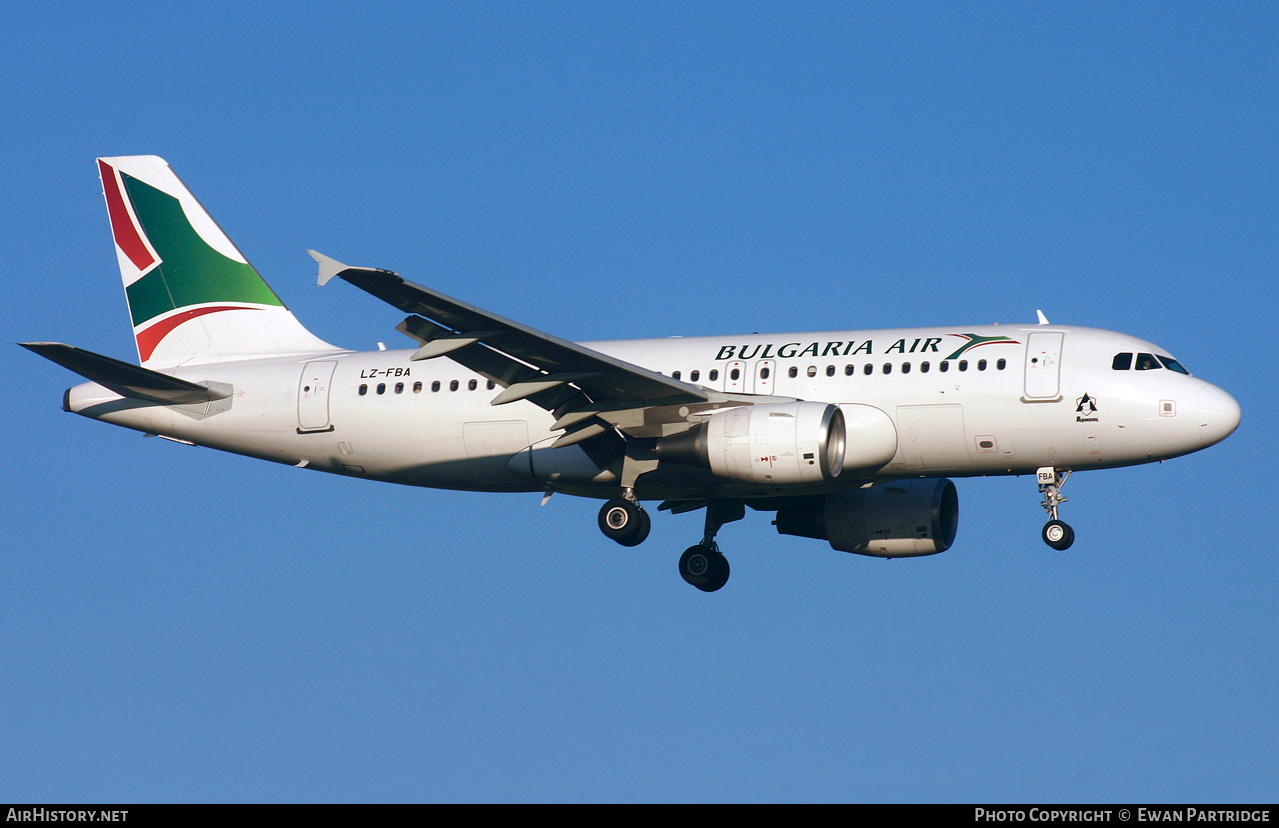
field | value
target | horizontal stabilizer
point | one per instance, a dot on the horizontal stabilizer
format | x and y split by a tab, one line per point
123	378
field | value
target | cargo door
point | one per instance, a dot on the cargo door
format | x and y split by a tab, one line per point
932	438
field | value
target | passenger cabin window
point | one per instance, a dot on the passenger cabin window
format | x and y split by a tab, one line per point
793	372
830	370
714	374
675	375
1121	362
435	386
364	389
695	376
473	384
848	370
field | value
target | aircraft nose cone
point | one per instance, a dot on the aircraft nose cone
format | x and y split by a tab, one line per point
1218	415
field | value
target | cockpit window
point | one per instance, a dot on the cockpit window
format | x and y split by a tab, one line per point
1173	365
1147	362
1122	362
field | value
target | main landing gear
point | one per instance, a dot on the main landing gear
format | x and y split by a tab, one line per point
1057	533
703	565
623	520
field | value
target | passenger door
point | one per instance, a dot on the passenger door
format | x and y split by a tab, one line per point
1043	366
313	396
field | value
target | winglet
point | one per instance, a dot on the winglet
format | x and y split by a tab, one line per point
1043	320
328	267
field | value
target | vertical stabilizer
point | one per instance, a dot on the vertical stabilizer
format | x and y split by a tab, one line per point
192	295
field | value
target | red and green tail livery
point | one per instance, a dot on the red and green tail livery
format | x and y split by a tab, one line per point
193	297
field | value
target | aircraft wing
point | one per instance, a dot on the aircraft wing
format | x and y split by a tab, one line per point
574	382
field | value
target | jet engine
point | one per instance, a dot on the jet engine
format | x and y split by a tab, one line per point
901	519
779	444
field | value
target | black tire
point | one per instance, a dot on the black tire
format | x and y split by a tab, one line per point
704	567
1058	535
641	531
720	577
624	521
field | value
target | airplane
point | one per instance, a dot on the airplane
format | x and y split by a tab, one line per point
846	436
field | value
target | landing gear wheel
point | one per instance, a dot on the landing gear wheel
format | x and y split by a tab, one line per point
641	533
704	567
625	522
1058	535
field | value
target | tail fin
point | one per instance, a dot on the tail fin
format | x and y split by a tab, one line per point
192	295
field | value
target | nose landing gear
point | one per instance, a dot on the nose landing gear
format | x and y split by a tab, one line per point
1057	533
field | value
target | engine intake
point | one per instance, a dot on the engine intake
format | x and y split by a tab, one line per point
780	444
902	519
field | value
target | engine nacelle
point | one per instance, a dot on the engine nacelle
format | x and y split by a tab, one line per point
780	444
901	519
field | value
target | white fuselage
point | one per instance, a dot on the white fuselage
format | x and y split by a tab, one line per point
985	400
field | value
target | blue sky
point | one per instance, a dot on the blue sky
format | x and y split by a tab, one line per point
180	625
